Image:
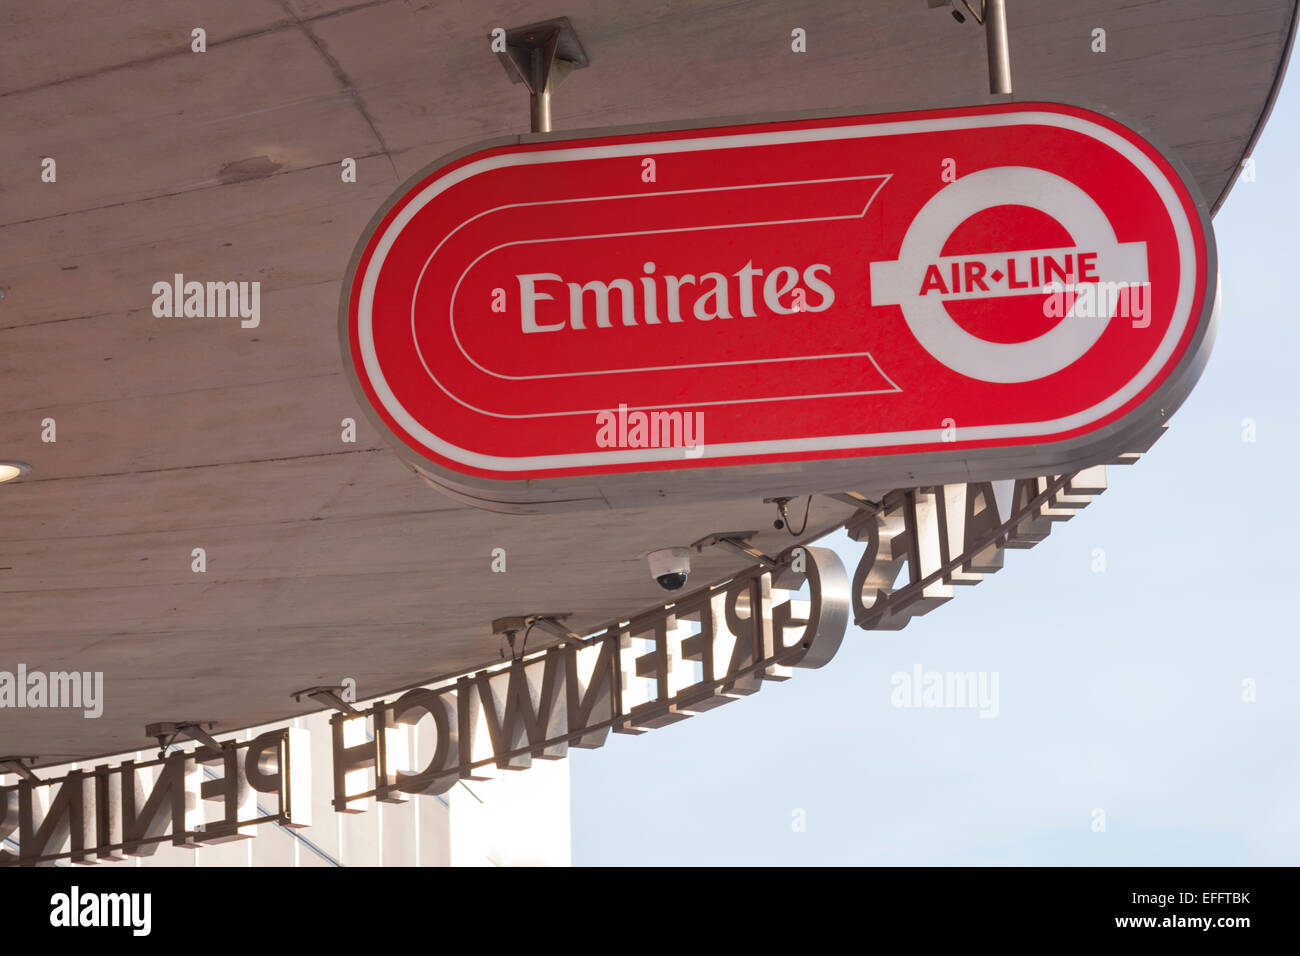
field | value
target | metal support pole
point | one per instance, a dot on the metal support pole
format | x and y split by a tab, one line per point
540	56
539	88
995	33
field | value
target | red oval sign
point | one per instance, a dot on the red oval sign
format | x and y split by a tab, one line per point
782	307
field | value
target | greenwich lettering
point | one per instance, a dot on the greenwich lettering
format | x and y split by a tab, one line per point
666	665
706	650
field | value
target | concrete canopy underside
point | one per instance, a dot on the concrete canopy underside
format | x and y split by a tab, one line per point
328	560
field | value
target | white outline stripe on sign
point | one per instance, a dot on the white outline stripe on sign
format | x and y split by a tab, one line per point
1140	160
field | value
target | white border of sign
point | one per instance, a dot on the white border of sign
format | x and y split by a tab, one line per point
550	493
1177	324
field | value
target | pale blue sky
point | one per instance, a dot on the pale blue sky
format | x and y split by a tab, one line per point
1119	691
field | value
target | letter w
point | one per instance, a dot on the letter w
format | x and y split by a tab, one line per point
530	711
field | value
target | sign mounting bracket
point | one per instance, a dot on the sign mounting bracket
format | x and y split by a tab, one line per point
19	765
552	624
992	16
328	694
738	541
541	56
166	732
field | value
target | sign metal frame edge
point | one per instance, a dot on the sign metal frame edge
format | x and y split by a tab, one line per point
1133	432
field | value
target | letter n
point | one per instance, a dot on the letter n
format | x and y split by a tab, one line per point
164	807
595	701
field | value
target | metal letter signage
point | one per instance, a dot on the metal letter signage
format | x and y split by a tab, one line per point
109	812
636	673
716	646
962	294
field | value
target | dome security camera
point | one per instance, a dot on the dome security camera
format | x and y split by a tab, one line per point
670	567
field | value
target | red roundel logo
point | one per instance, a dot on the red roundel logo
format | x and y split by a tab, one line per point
807	305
